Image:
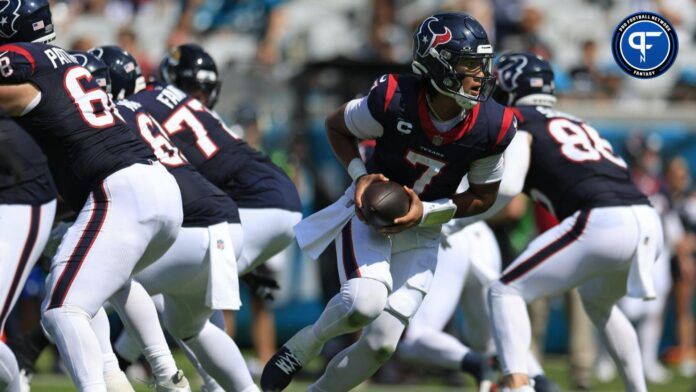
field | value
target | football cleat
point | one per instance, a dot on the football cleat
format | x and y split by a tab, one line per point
176	383
280	370
544	384
289	360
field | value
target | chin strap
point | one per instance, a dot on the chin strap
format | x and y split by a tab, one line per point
537	100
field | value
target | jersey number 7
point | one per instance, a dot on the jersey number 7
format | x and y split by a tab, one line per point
184	118
433	168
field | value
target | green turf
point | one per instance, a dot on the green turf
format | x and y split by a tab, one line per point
556	367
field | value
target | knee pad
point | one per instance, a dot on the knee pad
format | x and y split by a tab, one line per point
49	319
365	298
183	329
181	321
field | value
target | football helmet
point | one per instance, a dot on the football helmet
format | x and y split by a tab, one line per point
98	69
190	68
444	41
25	21
124	71
524	79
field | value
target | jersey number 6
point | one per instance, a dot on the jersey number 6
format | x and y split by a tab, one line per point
86	100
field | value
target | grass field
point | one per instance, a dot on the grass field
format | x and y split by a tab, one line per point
556	368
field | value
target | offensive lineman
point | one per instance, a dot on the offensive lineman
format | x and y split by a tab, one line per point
130	207
27	209
606	243
198	273
183	101
430	130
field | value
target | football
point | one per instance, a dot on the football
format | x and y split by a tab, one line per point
384	201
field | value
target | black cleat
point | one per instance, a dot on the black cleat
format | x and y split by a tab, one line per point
280	370
544	384
481	368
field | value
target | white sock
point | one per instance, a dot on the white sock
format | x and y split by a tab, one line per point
9	370
511	328
220	357
433	347
139	316
127	347
70	329
621	342
649	335
533	366
100	325
358	362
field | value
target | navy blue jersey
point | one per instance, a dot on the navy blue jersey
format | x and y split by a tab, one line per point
412	152
204	204
24	174
572	167
73	123
245	174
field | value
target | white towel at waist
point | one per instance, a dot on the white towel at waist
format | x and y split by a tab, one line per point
640	283
223	283
318	230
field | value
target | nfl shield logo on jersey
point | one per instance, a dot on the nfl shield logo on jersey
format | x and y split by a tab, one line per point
221	244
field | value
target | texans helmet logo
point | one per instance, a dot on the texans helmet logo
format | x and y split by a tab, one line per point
429	37
8	17
508	74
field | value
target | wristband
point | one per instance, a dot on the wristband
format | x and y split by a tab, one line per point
356	169
437	212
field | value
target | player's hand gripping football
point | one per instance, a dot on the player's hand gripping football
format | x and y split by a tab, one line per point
412	217
360	185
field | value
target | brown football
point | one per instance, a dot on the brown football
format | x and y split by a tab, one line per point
384	201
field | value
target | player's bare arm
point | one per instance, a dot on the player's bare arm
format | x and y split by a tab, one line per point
476	200
345	147
15	98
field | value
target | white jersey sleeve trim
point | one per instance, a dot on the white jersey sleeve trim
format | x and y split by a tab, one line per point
359	120
487	170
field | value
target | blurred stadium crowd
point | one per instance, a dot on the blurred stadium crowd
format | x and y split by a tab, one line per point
286	63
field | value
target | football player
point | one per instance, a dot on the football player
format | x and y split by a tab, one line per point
27	209
183	102
431	128
129	205
607	240
199	272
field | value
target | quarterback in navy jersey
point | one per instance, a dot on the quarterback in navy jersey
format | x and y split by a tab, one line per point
431	129
27	209
129	207
606	242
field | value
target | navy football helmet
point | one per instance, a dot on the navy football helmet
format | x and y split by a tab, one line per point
124	71
524	78
25	21
442	42
190	68
98	69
